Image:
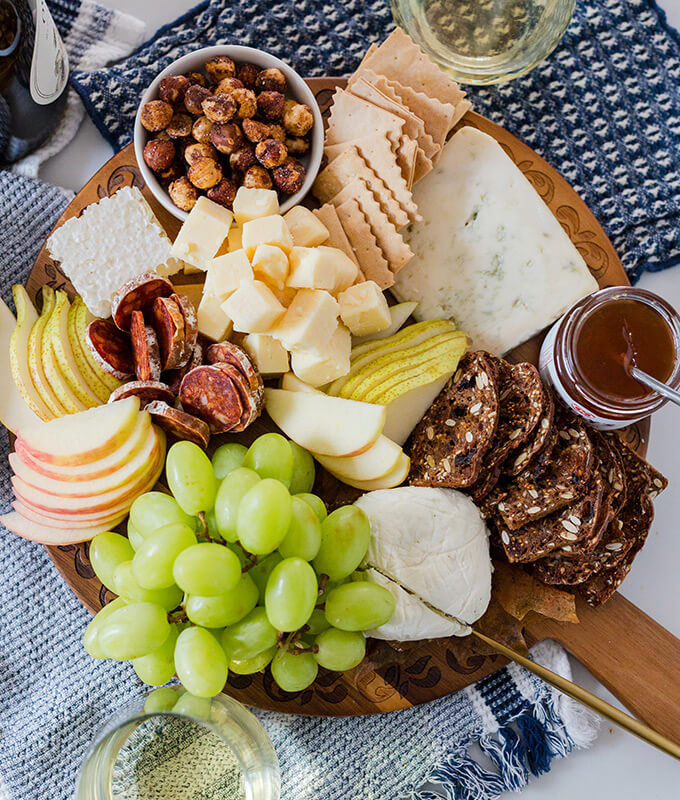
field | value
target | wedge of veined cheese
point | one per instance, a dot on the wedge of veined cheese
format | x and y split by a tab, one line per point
488	253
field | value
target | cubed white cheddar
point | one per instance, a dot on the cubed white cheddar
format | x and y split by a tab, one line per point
254	203
269	355
324	365
253	308
270	265
310	321
226	273
285	296
212	320
305	228
202	233
234	238
321	268
266	230
364	309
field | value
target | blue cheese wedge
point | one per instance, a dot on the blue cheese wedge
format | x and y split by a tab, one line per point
488	252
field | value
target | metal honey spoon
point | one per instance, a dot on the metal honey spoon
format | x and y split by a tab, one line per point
658	386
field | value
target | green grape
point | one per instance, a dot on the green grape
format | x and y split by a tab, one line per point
200	662
162	699
293	673
304	472
270	455
152	564
191	477
223	609
91	634
232	490
345	535
264	517
227	458
317	623
249	636
192	706
303	537
327	588
262	570
126	586
107	551
158	667
207	569
291	594
134	536
248	666
340	650
317	504
359	606
153	510
132	631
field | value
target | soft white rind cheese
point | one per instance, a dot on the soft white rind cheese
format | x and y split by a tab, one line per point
488	253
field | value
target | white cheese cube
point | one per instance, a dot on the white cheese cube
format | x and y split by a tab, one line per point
306	229
202	233
266	230
284	295
364	309
321	268
253	308
324	365
226	273
269	355
254	203
310	321
234	238
212	321
270	264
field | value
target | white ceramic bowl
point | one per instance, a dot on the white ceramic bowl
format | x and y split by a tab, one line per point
195	61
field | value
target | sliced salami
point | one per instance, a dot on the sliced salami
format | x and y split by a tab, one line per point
179	423
145	349
168	322
190	324
253	402
173	377
230	353
214	396
138	294
111	348
147	391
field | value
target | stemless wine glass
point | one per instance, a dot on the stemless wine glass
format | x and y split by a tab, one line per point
207	747
485	41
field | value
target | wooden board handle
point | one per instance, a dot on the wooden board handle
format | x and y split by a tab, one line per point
629	653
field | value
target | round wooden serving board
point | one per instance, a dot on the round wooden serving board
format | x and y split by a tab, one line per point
635	658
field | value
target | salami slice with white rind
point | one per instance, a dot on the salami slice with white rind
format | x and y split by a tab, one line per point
173	377
147	391
190	324
168	322
138	294
231	353
212	395
145	349
253	402
179	423
111	348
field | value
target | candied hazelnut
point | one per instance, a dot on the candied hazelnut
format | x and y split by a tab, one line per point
271	153
227	85
243	158
271	80
247	74
196	78
183	194
173	172
227	137
220	67
179	126
204	173
162	135
277	132
201	129
194	97
159	154
296	145
247	103
270	105
220	108
172	88
256	131
290	176
156	114
297	118
224	193
196	150
257	178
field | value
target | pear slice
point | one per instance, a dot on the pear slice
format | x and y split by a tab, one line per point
393	478
18	352
84	367
375	463
290	381
35	362
404	413
81	320
67	397
399	313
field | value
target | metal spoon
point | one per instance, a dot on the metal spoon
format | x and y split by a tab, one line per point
661	388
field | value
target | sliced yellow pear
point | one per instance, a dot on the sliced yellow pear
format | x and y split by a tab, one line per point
399	313
67	397
404	413
290	381
393	478
84	367
35	362
17	352
375	463
326	425
56	333
81	320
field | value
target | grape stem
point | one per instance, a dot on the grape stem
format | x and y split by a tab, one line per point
254	560
297	649
178	615
205	533
323	580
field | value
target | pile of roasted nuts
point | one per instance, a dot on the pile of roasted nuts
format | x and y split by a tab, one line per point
235	127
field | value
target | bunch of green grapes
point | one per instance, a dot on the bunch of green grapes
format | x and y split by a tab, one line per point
241	568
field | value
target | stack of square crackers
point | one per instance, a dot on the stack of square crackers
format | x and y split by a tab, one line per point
385	132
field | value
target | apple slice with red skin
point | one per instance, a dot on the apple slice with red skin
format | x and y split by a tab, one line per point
28	529
65	524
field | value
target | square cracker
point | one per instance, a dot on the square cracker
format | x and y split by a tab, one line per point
371	259
337	236
351	118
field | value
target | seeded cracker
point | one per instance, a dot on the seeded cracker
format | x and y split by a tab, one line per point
449	443
542	441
